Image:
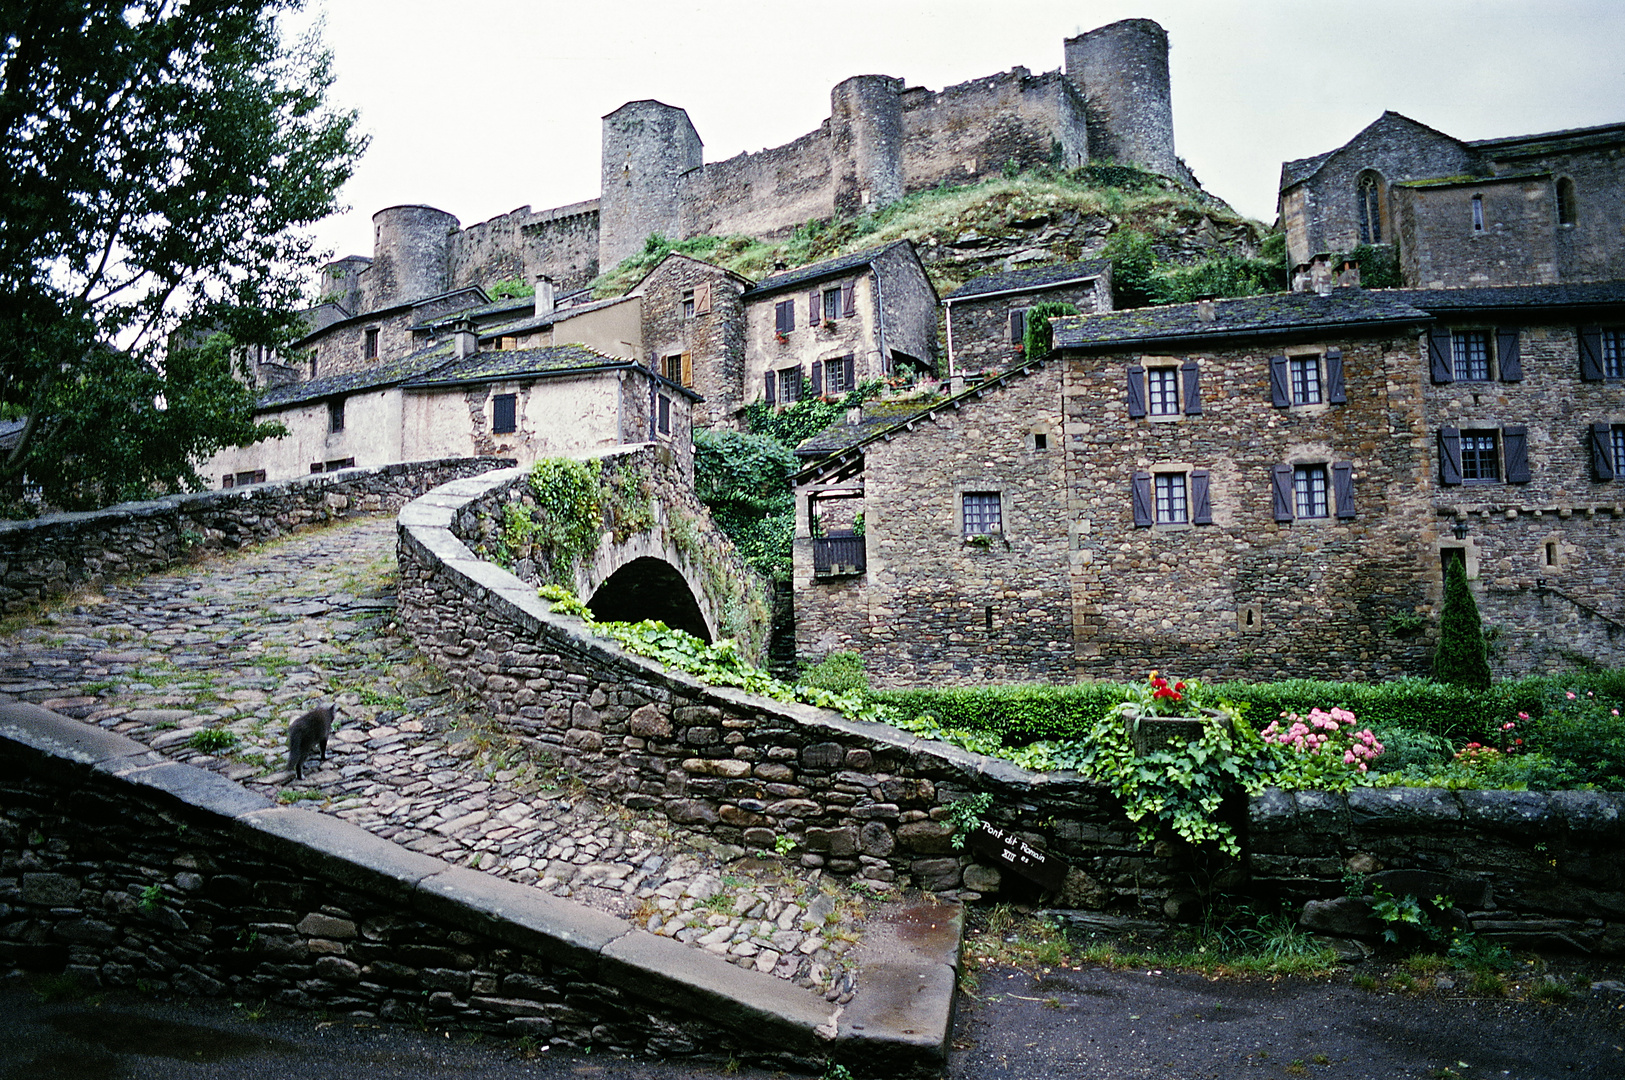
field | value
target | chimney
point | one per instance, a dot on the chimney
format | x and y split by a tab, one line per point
1348	276
544	295
1320	273
1300	278
1204	310
467	341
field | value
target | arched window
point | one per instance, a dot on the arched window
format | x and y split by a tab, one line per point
1369	196
1567	210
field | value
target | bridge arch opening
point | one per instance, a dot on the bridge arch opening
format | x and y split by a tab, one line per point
649	588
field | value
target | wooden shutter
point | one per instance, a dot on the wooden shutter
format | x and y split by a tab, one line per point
1136	391
687	369
259	474
1192	376
768	392
817	378
1343	488
1281	490
1515	450
1449	455
1280	386
1439	356
1335	392
702	298
230	479
1201	504
815	307
1506	354
1602	458
1140	489
1018	326
849	299
1591	353
850	364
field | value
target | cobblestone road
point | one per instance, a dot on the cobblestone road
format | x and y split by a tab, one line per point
207	665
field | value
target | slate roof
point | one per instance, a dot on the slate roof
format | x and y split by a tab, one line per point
379	312
1032	278
1295	172
1503	297
503	365
1251	316
789	279
878	416
495	307
11	432
1552	142
536	322
388	373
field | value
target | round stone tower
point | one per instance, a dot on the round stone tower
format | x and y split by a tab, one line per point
1122	72
411	255
866	136
648	146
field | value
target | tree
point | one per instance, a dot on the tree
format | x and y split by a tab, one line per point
1460	658
1039	336
157	161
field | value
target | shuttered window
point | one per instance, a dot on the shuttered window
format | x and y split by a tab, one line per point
1018	326
1163	387
790	385
1616	439
770	388
1470	355
1613	354
663	414
839	375
1508	355
335	415
1173	505
674	368
688	303
504	413
981	513
1305	373
1608	451
1479	461
1309	491
832	304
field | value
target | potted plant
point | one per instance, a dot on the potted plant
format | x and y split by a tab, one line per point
1158	711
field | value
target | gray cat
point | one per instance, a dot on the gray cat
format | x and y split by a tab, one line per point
307	734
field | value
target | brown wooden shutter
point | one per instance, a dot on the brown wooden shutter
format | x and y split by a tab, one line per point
1281	491
1280	385
688	369
259	476
1449	455
702	298
1201	503
1192	377
1136	391
1335	392
1591	369
817	378
1602	458
768	389
849	299
1343	488
1439	367
1515	450
1140	492
1507	355
230	480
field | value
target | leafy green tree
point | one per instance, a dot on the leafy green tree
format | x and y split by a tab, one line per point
743	480
1460	658
157	162
1039	335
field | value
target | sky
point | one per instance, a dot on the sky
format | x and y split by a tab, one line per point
478	107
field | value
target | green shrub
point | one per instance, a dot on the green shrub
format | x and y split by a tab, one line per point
1014	714
1039	334
1460	658
839	673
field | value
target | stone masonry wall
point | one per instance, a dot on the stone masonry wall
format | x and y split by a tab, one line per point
981	328
863	799
52	555
1525	868
561	243
1439	248
714	340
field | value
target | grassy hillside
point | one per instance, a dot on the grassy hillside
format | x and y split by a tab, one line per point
1150	227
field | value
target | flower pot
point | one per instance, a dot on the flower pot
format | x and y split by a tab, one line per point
1152	733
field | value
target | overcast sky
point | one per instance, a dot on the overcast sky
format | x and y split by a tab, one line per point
478	107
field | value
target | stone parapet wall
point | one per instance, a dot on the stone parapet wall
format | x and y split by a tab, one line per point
858	799
1524	867
51	555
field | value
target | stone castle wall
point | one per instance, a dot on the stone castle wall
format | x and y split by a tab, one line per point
521	244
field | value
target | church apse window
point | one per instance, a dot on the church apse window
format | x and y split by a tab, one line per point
1567	211
1369	205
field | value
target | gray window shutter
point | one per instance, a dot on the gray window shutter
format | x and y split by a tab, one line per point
849	300
1018	326
1515	449
1192	374
1281	489
1602	460
850	363
1280	389
1335	393
1591	353
1506	354
1142	500
1439	356
815	307
1201	505
818	378
768	394
1136	391
1343	488
1449	455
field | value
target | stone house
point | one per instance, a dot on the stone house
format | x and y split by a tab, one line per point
344	343
1529	209
1264	487
985	319
693	331
824	328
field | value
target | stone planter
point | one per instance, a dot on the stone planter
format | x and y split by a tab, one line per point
1152	733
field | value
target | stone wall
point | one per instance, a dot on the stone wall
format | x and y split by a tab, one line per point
561	243
51	555
863	800
1440	248
713	340
981	327
1523	867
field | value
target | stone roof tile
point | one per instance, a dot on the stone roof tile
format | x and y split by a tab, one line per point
1030	278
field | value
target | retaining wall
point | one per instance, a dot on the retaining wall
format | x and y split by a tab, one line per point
51	555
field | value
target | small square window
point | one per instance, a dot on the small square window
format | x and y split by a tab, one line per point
688	303
1478	457
1309	491
335	415
832	304
1173	508
1470	355
1163	385
1305	372
504	414
981	513
369	344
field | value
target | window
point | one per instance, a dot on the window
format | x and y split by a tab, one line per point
688	303
1566	208
784	316
504	414
1478	457
1172	507
674	367
1478	213
1369	198
839	375
1313	490
1018	326
1470	352
663	414
335	415
1613	354
1484	455
369	344
341	463
790	385
243	479
1305	372
832	304
1163	386
981	513
311	356
1608	451
1309	491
